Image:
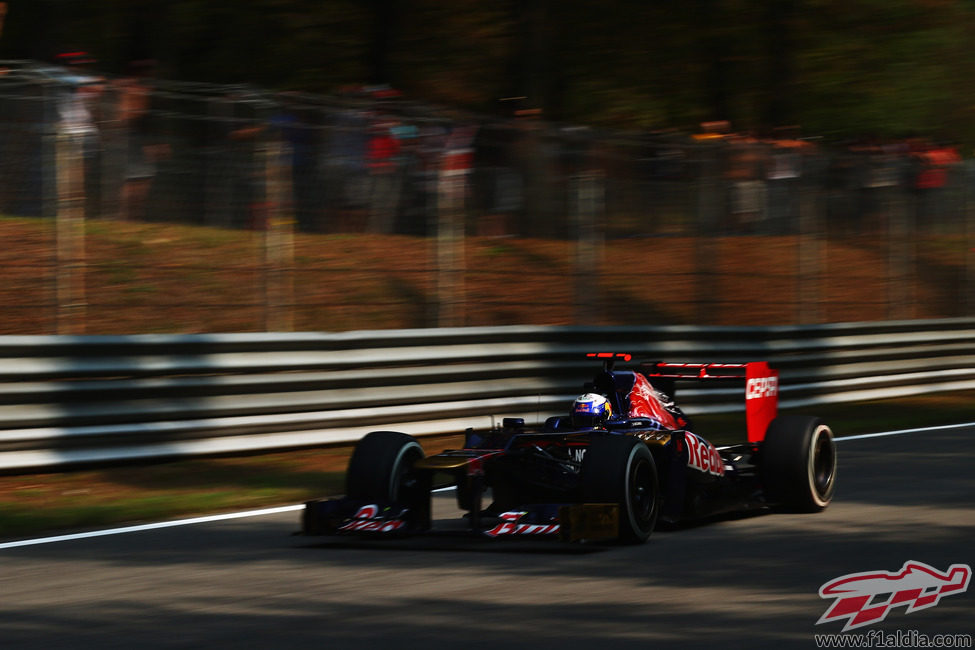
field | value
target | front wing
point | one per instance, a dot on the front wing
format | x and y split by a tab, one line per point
568	522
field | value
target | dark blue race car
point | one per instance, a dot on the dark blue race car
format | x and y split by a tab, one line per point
624	457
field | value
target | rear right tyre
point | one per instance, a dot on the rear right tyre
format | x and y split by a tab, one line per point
798	465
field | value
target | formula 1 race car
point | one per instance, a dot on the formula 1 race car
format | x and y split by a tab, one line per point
623	457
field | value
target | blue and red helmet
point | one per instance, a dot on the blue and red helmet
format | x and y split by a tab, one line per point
590	410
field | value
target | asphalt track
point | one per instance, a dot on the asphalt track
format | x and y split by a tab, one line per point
741	583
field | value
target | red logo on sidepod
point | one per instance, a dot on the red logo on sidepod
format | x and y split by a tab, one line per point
866	598
702	455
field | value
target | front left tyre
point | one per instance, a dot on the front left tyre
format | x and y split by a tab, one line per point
620	469
381	468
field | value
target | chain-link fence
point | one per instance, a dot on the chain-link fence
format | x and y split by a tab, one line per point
366	210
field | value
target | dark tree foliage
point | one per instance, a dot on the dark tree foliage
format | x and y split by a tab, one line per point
837	68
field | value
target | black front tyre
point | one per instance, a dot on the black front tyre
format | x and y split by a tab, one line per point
381	467
620	469
798	463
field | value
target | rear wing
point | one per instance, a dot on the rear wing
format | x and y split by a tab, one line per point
761	386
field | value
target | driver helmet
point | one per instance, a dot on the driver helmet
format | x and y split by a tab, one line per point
590	410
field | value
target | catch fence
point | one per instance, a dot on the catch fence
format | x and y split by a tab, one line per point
292	211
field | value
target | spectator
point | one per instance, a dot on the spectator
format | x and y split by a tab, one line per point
344	168
782	178
294	124
934	164
382	157
141	155
746	178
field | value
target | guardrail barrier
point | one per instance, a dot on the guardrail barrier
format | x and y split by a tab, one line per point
66	400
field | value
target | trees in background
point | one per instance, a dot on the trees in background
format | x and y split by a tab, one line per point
839	68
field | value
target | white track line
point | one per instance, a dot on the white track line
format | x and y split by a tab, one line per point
273	511
945	427
162	524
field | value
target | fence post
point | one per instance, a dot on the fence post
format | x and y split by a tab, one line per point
710	221
278	239
969	215
588	197
70	235
450	250
812	242
901	260
217	194
451	194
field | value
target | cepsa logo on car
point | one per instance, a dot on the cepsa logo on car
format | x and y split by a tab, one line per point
759	387
702	455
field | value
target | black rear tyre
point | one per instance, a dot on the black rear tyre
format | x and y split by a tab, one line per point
620	469
380	467
799	463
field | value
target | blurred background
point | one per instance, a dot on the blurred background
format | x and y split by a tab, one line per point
202	166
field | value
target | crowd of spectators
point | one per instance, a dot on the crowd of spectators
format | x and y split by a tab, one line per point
368	160
856	184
